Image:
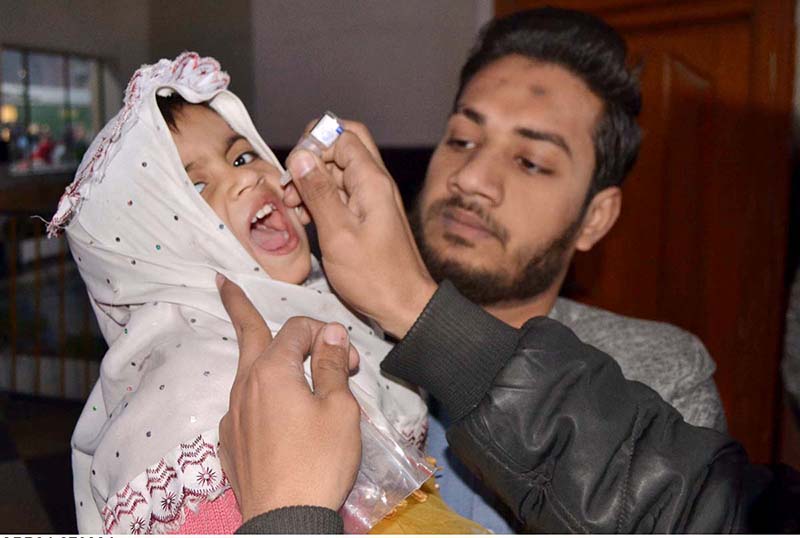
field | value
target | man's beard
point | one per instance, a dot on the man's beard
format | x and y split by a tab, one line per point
539	269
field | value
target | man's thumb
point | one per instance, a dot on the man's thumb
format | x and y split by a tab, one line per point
317	188
300	163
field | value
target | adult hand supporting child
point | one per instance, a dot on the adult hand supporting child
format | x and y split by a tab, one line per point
368	250
304	446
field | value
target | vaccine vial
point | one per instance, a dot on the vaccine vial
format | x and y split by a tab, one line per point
321	137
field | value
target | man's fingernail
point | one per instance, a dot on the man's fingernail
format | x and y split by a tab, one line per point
286	192
335	335
220	280
301	163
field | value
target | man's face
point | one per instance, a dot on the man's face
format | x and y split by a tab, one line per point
504	195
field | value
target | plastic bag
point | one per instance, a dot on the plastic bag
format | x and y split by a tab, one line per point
425	512
390	471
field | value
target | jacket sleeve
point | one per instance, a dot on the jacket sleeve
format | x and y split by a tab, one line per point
551	425
294	520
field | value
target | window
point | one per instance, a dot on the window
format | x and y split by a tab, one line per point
50	109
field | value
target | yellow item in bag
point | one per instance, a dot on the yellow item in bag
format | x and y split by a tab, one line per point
425	512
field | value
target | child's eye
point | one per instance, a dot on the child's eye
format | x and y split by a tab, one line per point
244	158
200	186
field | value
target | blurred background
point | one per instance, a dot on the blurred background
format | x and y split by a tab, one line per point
708	239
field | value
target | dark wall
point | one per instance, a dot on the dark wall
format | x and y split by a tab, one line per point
407	166
211	28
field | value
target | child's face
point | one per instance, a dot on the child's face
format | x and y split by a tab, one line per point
240	187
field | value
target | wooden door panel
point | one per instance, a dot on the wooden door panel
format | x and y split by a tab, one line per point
624	14
691	140
687	101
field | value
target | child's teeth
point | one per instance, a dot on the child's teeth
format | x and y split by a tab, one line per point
263	212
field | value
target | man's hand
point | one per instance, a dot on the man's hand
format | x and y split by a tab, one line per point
368	250
280	443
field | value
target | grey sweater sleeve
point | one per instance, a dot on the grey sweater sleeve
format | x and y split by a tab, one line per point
695	395
294	520
791	354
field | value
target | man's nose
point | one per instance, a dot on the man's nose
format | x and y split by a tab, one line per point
479	175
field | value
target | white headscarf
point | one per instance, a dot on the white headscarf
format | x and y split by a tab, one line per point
149	247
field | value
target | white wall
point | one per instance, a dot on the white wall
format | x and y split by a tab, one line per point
115	30
391	64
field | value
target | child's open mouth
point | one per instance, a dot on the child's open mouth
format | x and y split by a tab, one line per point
271	231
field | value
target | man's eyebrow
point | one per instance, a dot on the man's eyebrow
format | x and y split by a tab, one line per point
532	134
471	114
553	138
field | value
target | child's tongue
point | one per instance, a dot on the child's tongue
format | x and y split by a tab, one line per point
270	232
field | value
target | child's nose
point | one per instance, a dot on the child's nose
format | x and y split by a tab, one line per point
246	178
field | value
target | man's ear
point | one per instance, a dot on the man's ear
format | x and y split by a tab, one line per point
600	217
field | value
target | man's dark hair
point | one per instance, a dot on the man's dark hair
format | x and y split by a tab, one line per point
170	106
591	50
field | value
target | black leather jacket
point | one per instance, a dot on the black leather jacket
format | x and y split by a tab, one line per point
550	425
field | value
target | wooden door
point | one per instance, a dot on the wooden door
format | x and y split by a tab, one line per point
702	238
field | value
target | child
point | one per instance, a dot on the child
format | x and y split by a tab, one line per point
164	200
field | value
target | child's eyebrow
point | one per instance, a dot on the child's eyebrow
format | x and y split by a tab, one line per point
232	140
228	145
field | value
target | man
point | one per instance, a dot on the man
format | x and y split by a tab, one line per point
543	131
546	422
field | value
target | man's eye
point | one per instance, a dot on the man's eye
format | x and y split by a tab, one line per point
460	143
200	187
244	158
532	168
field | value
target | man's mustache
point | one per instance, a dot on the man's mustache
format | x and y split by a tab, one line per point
457	202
